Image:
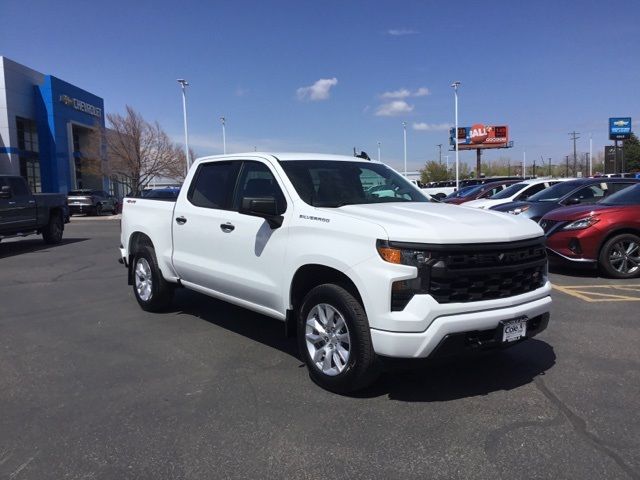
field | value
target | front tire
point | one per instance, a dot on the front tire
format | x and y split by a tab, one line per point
151	290
620	256
335	341
52	233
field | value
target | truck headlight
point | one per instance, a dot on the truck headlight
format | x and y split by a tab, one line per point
402	291
402	256
582	223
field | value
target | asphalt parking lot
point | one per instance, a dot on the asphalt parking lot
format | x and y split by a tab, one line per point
93	387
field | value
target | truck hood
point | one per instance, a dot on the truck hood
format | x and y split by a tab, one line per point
442	223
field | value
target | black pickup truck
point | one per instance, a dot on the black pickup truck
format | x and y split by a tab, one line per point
22	213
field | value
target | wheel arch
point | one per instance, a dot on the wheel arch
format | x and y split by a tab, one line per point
617	231
136	241
311	275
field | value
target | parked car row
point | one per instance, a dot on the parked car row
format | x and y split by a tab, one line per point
590	221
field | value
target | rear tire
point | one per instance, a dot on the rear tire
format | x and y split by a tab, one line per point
335	341
152	291
52	233
620	256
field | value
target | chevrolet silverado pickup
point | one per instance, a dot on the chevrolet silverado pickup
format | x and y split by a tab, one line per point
355	261
23	213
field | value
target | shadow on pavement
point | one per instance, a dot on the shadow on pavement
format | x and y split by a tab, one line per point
28	245
256	327
463	377
405	380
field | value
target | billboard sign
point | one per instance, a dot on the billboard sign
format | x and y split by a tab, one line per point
619	128
481	136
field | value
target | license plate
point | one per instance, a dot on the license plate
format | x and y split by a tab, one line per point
513	330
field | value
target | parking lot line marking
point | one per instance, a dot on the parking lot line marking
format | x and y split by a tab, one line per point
583	293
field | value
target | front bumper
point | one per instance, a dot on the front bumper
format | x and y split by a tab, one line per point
80	209
577	246
423	344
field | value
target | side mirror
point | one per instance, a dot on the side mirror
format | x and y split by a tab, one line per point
5	192
265	207
573	201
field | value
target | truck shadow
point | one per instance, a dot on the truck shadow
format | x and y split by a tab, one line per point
21	246
462	377
403	380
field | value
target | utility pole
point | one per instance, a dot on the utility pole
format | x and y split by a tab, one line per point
549	165
440	153
534	169
567	174
574	136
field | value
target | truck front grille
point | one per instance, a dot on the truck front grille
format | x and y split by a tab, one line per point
473	273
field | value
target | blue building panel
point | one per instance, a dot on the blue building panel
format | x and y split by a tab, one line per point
59	105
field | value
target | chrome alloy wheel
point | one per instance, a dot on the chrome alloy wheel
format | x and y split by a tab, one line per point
624	256
143	279
327	338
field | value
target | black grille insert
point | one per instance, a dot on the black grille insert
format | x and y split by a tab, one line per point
472	273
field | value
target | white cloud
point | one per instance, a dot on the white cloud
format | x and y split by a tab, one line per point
404	93
395	108
432	127
241	92
399	32
318	91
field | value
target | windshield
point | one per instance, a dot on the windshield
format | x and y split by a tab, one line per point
463	191
554	193
330	183
509	191
626	196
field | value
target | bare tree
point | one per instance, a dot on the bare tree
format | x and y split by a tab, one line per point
139	150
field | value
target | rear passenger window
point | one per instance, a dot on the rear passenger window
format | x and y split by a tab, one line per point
616	187
18	187
213	185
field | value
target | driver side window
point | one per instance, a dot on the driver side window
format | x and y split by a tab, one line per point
590	194
257	181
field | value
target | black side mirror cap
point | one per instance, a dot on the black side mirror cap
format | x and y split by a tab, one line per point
573	201
5	192
265	207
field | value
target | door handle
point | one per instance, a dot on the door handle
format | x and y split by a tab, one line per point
227	227
181	220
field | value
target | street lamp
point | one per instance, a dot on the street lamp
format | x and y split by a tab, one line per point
404	132
379	143
183	83
455	86
224	135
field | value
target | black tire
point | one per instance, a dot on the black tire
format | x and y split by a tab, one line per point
614	268
161	291
52	233
361	368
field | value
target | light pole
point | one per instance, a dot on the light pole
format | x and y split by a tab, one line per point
439	153
455	86
224	135
524	165
446	157
183	83
404	134
590	154
379	143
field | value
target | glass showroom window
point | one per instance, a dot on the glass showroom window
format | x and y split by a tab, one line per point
29	152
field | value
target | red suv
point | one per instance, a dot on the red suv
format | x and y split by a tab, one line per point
606	234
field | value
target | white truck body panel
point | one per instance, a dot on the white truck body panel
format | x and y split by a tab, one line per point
254	265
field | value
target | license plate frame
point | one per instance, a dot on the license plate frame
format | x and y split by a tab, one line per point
513	329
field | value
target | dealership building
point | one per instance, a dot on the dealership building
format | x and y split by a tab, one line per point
48	131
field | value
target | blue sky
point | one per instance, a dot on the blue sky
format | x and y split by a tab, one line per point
545	68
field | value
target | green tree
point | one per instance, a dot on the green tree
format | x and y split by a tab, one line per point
632	154
433	172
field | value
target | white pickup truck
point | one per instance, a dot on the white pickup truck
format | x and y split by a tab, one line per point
347	253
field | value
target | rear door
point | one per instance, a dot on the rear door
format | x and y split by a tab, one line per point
201	225
7	212
23	204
